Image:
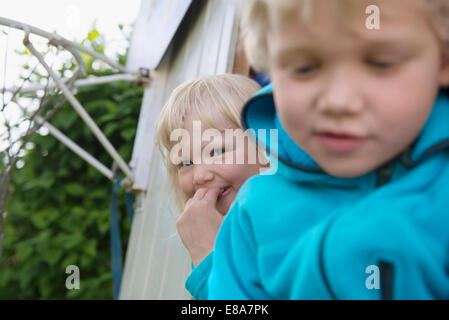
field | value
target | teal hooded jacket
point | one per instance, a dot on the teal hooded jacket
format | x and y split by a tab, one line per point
300	233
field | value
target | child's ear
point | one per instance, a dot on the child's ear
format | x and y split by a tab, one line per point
444	72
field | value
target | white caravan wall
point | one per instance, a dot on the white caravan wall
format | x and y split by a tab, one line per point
156	263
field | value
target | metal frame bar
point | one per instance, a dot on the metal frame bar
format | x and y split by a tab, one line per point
74	49
81	112
76	149
79	83
56	39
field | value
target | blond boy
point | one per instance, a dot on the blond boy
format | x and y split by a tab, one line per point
359	207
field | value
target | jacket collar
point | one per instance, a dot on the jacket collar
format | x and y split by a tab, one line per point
434	136
259	114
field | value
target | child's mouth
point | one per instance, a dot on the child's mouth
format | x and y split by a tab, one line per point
224	192
340	142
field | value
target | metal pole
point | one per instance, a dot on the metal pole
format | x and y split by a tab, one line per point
79	83
82	113
77	149
58	40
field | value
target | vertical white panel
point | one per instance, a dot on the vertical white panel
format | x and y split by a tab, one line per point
153	100
157	264
209	49
229	39
154	30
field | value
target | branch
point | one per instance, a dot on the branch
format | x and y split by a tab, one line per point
18	89
5	176
70	46
82	112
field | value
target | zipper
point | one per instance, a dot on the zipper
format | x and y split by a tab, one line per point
384	174
386	280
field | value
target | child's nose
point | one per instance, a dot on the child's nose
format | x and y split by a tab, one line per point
202	174
341	96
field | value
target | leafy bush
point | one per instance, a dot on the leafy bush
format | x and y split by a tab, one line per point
59	212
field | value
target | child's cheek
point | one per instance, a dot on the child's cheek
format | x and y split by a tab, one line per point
399	113
185	181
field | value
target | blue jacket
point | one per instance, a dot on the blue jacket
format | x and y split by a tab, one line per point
303	234
196	282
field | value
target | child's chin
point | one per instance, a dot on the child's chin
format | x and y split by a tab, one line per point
224	207
223	212
347	170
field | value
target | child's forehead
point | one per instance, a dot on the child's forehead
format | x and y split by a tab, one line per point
338	19
209	117
197	124
320	12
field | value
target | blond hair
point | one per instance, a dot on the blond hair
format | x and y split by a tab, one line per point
257	22
225	92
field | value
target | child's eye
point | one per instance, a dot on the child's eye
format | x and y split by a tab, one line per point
380	64
305	70
186	163
217	152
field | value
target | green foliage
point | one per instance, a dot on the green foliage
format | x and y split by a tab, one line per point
59	211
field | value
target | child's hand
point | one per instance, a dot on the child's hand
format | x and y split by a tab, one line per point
199	223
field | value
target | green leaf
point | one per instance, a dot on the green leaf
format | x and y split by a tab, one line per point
72	241
74	189
128	134
97	194
93	34
39	220
53	255
110	128
67	121
23	252
90	247
75	293
59	210
107	117
103	224
102	105
71	259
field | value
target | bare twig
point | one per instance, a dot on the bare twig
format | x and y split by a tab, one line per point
70	46
82	112
13	148
18	89
4	70
5	175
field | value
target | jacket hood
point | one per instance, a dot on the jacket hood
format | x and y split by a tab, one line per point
259	114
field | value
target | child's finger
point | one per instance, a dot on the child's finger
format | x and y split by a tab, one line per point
212	195
199	194
188	203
